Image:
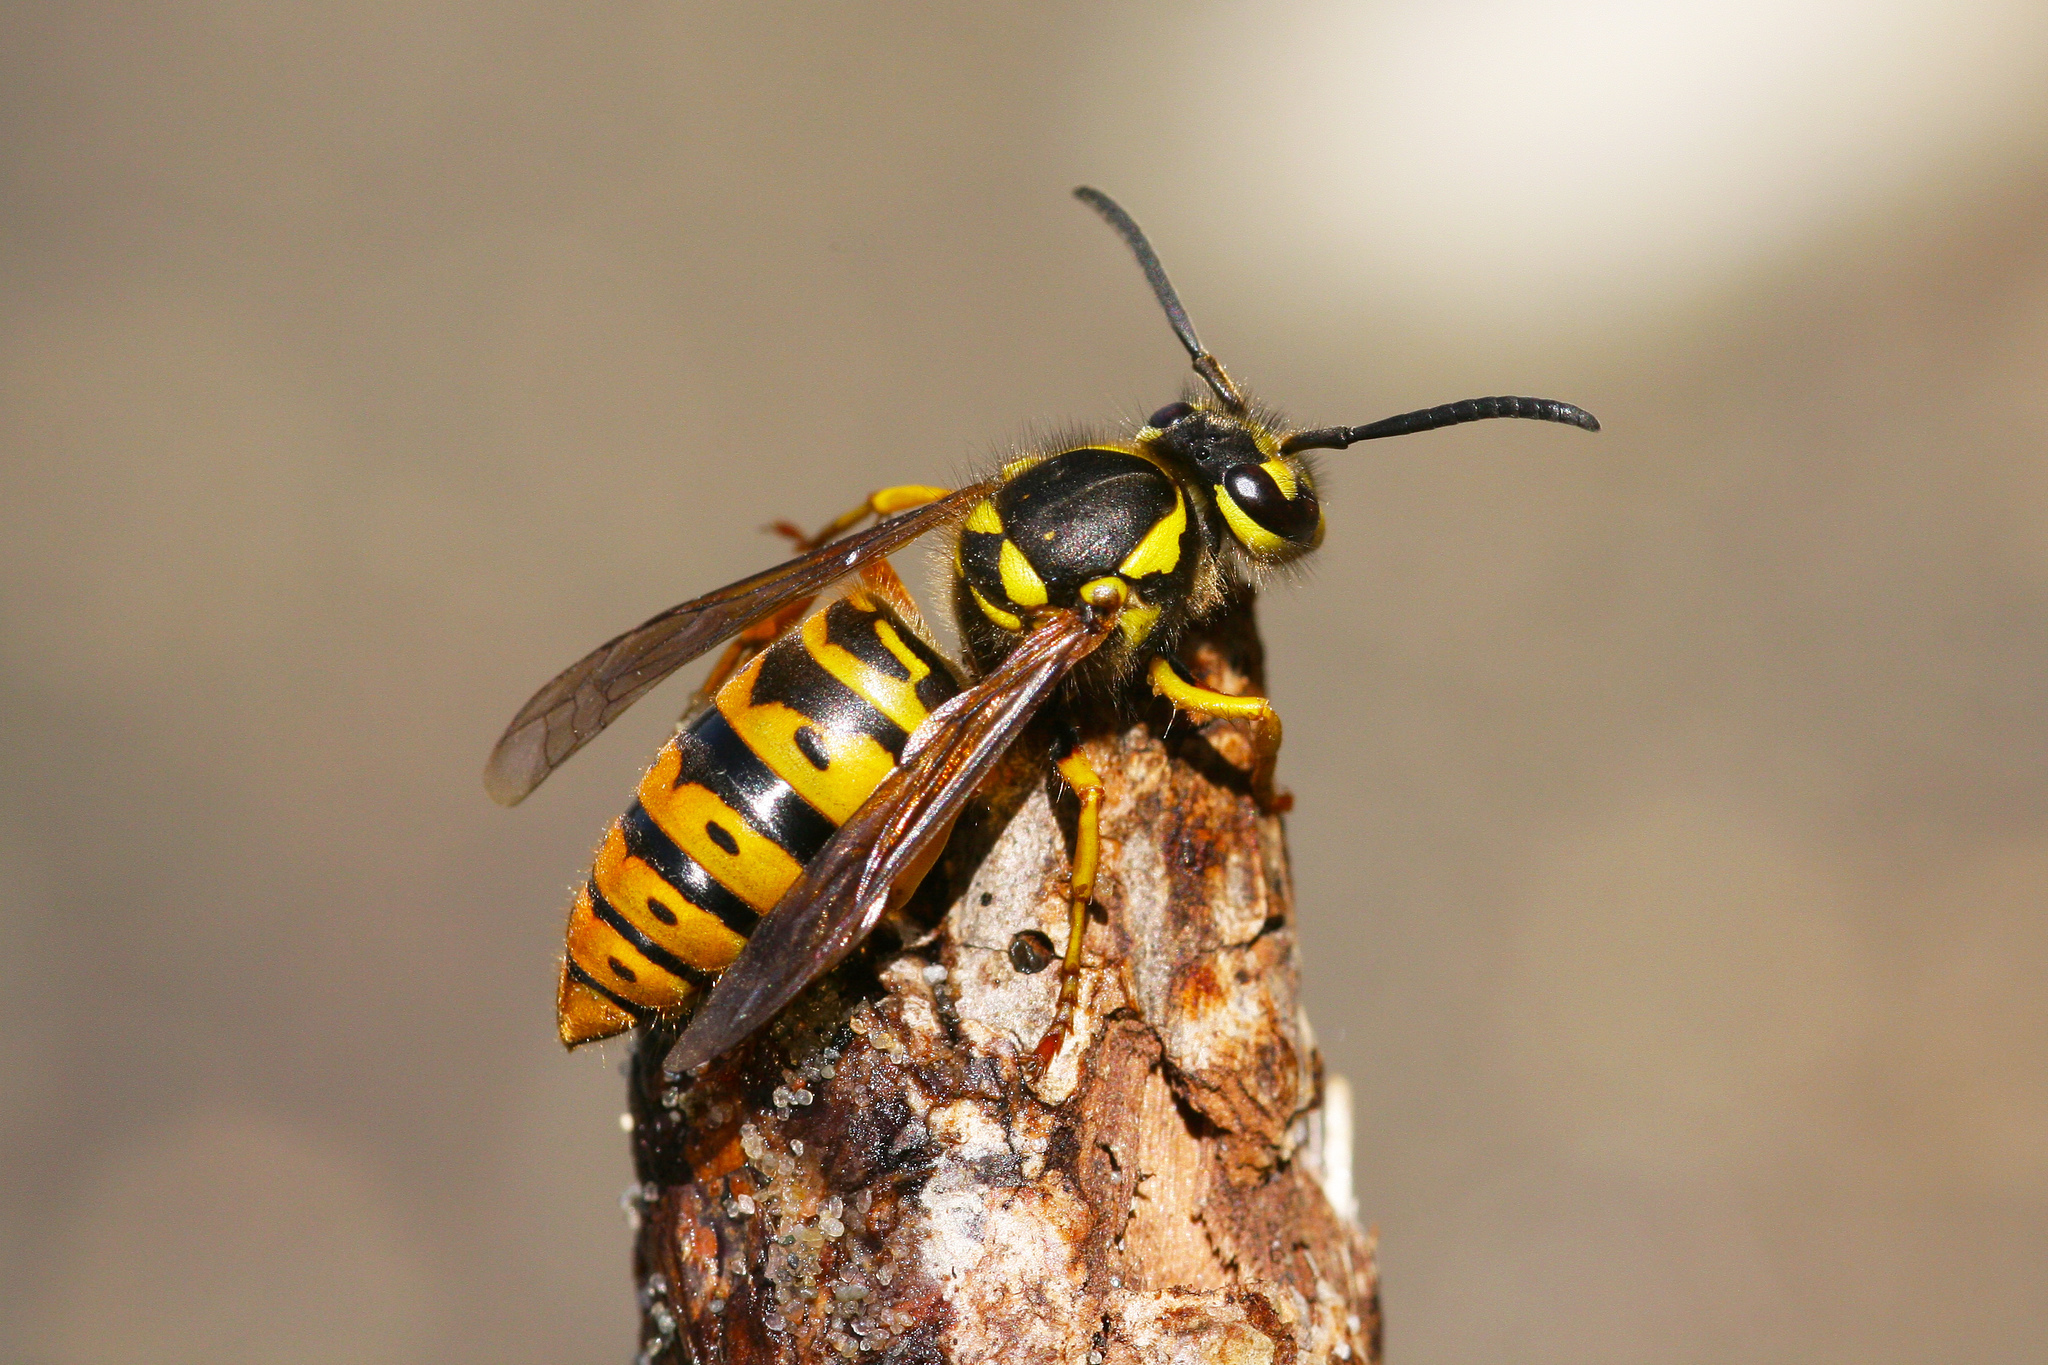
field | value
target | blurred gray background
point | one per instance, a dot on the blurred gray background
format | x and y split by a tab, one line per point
1672	832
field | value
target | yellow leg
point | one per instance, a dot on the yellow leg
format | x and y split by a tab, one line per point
877	575
1087	784
880	503
1201	702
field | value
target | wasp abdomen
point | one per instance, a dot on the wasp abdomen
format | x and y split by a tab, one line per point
735	805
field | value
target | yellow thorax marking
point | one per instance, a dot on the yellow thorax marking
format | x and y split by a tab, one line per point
893	697
985	519
1137	622
1021	583
1159	551
994	612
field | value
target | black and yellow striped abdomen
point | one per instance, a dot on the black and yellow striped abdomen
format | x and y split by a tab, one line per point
735	805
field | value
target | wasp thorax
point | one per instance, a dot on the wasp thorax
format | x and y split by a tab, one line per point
1078	525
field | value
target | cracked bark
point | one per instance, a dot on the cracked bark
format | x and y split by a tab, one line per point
876	1178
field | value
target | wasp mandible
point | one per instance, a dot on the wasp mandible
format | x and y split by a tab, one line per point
833	749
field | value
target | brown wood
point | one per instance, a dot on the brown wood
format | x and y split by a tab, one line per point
877	1177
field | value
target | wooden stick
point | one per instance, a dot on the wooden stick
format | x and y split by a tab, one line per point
877	1177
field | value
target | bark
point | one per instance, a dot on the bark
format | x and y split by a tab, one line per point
877	1177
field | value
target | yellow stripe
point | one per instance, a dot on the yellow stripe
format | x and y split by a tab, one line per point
1283	475
593	944
758	874
697	937
857	763
1159	551
994	612
1021	583
1255	537
893	697
1137	622
582	1015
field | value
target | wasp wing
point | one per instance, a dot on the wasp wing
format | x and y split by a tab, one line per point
588	695
846	888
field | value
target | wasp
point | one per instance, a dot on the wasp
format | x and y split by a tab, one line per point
831	751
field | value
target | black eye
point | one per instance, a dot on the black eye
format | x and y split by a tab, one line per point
1252	488
1169	414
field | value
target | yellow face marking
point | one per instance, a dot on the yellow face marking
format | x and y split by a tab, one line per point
1159	551
994	612
1021	583
893	697
1253	536
985	519
1283	475
697	936
1137	622
758	874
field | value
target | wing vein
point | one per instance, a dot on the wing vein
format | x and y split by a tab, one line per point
591	693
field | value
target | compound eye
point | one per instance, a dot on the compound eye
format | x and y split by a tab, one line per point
1258	495
1169	414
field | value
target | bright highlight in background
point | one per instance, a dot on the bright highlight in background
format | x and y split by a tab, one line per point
1626	154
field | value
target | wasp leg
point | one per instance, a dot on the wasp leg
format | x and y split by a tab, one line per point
878	576
880	503
1087	785
1202	703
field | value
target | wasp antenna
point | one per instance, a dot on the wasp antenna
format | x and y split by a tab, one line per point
1206	365
1448	415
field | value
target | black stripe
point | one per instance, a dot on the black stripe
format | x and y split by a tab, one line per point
936	688
648	948
981	558
639	1012
853	630
719	759
646	841
790	675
